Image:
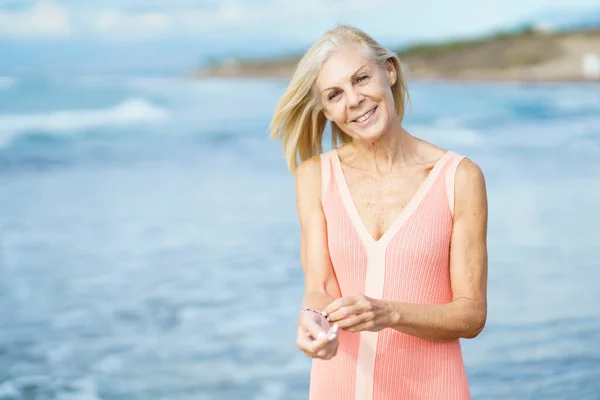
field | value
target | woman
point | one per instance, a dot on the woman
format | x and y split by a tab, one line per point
393	231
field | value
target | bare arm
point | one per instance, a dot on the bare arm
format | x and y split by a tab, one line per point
321	286
315	336
465	316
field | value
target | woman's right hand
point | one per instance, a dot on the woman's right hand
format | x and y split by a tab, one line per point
316	338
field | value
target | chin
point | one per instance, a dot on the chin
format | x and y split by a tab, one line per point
370	138
370	135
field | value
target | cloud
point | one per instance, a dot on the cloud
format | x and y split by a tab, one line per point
132	26
302	21
43	19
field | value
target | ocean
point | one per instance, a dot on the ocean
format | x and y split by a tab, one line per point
149	238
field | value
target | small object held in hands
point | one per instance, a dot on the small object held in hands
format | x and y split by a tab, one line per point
334	332
315	311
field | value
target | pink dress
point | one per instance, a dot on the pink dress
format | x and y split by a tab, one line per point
409	263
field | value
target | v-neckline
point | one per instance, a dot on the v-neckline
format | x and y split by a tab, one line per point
406	212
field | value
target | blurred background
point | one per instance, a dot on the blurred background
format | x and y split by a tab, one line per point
149	243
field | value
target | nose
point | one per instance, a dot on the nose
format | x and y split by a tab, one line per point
354	97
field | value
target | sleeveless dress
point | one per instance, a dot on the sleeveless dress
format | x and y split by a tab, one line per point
409	263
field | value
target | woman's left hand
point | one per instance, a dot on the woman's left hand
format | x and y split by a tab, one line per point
360	313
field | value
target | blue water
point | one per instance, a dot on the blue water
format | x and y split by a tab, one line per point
149	238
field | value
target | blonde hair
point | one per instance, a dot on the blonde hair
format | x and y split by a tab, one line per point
298	118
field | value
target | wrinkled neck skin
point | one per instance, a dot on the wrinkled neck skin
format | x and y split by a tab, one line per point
394	149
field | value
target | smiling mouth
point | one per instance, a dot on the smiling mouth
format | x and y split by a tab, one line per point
366	116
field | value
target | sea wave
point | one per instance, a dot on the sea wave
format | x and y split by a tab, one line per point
7	82
131	111
578	101
450	136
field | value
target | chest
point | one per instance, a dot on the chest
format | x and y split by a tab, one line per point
380	201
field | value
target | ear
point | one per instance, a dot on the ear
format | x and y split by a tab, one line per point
391	73
326	114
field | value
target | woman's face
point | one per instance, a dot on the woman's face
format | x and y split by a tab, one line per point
356	93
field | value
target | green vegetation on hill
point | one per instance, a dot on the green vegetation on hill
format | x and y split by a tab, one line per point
486	56
500	50
452	45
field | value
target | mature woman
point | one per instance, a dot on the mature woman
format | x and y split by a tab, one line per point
393	231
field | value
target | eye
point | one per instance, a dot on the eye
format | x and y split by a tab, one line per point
362	78
332	95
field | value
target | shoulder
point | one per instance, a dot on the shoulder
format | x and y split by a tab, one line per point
309	172
308	178
470	186
309	169
468	173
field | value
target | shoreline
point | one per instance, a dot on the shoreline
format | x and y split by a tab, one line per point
533	58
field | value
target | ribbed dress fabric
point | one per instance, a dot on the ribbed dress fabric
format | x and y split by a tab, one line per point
409	263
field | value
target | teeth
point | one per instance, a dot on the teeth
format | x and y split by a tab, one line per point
364	117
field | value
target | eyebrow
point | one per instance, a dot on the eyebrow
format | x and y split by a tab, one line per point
358	71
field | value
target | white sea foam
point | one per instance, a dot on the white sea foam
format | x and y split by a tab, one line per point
7	82
578	100
8	390
450	137
129	112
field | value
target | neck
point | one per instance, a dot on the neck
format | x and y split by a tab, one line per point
396	147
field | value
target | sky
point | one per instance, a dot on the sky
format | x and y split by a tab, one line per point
155	34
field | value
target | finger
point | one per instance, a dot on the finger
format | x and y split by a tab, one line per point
314	349
365	326
350	322
322	353
303	344
310	346
345	312
315	330
313	346
332	336
329	351
339	303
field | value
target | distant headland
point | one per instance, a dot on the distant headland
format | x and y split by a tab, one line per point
534	53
